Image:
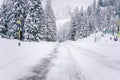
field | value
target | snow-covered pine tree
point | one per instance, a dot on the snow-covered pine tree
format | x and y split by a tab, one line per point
21	9
20	12
99	18
11	11
6	11
83	28
78	25
74	23
35	28
50	21
91	19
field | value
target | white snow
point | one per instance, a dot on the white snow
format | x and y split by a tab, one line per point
87	60
1	1
15	61
79	60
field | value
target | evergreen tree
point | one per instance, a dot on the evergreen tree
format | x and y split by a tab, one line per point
11	11
35	29
6	11
50	22
21	9
79	25
20	12
91	19
74	23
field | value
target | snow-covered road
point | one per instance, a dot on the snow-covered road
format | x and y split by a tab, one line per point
96	66
79	60
72	62
77	63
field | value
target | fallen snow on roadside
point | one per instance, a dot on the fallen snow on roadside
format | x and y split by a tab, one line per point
16	61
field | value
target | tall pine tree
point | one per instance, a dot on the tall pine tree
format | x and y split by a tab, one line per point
11	11
6	11
78	25
35	28
50	22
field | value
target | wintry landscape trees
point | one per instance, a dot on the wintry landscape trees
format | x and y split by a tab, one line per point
35	23
78	25
39	23
50	21
35	28
10	12
103	16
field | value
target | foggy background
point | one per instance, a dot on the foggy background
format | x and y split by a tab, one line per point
60	6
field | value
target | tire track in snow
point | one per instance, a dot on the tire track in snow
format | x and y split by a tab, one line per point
39	72
109	62
74	72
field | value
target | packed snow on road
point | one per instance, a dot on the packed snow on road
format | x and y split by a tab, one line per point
80	60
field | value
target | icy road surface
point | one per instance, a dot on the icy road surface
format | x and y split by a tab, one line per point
80	60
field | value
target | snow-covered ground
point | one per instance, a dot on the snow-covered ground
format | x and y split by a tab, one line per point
79	60
16	61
